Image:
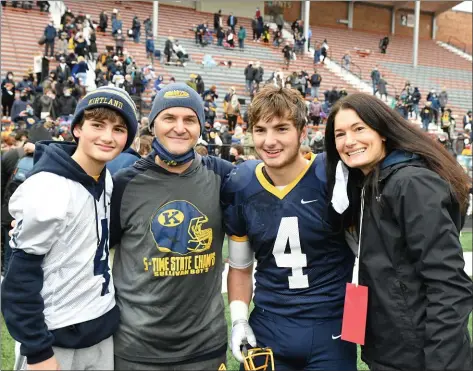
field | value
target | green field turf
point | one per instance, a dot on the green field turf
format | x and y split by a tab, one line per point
466	241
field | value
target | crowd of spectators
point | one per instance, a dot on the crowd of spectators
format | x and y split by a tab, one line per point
48	96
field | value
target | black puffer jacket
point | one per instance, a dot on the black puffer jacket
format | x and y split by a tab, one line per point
419	296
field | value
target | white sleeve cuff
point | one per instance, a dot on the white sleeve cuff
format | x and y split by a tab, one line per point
240	255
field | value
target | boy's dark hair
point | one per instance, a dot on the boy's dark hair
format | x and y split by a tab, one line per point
100	114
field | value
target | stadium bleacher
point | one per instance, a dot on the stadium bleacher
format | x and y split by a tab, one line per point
437	66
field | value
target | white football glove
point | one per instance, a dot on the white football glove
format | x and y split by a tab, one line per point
241	334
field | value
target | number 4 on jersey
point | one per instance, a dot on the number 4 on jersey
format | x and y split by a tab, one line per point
288	233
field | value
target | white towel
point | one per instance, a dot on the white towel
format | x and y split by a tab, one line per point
340	200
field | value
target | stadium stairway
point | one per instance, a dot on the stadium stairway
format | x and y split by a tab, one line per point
21	30
18	49
178	22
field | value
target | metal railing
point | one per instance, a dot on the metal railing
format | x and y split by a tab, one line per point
463	44
352	64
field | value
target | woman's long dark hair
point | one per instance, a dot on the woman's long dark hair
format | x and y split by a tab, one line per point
400	135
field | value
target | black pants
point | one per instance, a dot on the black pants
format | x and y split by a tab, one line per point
210	120
7	104
119	50
436	116
232	121
49	45
315	120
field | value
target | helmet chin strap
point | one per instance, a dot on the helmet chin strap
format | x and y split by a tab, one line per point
169	158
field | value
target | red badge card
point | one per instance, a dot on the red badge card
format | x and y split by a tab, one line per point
354	314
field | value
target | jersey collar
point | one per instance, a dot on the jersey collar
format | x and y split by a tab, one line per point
281	193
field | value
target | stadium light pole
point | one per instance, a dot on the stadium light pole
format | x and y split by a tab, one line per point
415	53
306	25
155	20
351	11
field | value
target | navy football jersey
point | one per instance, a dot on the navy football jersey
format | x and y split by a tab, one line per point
303	261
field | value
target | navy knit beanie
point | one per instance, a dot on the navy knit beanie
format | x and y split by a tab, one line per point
115	99
178	95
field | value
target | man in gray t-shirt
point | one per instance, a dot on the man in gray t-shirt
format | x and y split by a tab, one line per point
166	224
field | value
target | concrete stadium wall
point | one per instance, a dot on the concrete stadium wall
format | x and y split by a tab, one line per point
238	8
367	17
377	18
183	3
425	29
457	24
327	13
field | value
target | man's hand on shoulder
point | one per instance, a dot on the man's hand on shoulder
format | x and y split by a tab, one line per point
28	147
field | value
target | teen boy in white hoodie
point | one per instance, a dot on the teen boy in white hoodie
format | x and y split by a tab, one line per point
58	297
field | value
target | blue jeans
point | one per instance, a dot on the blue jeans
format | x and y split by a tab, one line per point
249	85
241	43
375	89
314	91
317	55
82	77
425	124
219	42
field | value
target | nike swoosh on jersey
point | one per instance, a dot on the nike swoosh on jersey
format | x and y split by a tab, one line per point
307	202
335	337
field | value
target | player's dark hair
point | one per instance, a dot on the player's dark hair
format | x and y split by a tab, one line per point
283	103
401	135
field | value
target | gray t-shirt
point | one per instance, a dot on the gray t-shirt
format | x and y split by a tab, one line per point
168	232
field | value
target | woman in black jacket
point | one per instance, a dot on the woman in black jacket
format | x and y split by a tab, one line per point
411	260
8	94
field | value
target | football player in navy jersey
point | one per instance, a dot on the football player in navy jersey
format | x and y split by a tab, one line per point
277	212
